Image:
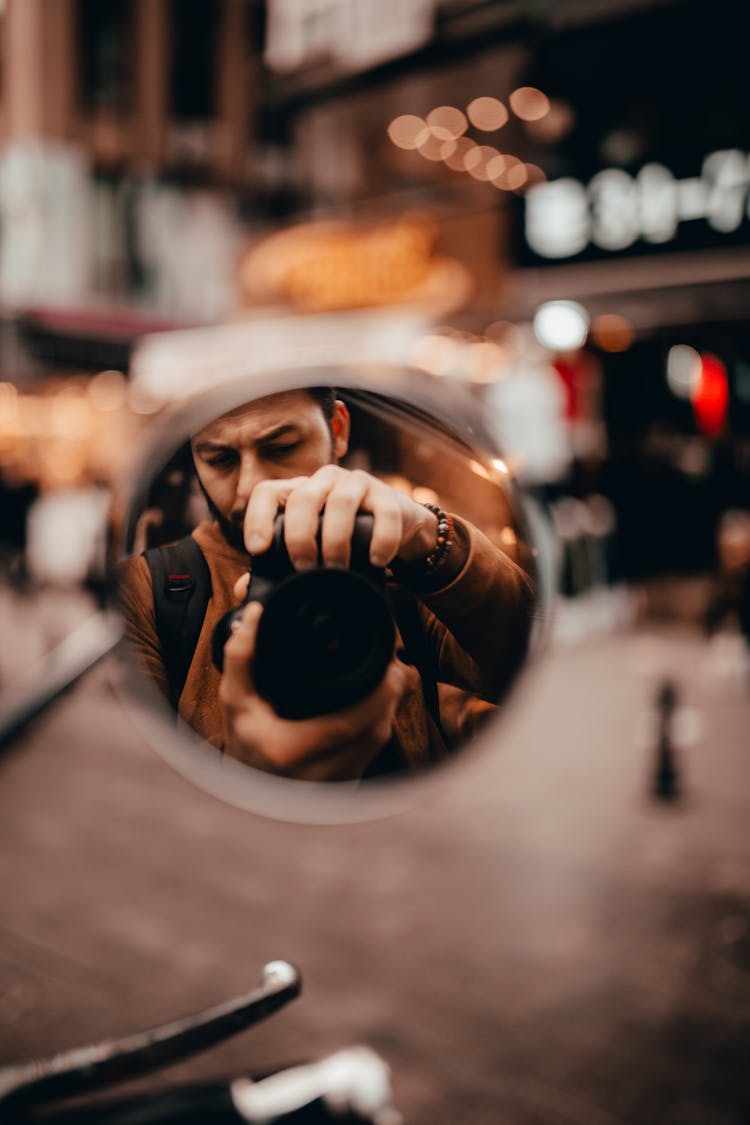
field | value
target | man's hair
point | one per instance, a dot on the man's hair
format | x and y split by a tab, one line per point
326	400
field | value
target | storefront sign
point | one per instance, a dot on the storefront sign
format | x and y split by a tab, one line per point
356	34
615	210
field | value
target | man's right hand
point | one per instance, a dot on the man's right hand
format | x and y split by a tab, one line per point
327	503
334	747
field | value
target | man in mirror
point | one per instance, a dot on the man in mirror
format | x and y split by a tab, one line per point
472	603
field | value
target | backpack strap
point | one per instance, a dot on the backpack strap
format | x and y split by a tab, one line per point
181	583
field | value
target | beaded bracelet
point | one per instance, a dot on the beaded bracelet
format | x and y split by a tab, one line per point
445	539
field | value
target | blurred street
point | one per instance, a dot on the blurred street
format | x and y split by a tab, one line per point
543	942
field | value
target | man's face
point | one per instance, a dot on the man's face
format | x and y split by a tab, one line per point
281	436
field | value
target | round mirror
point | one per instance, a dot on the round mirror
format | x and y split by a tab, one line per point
327	585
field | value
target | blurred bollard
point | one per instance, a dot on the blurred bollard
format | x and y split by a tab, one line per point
666	780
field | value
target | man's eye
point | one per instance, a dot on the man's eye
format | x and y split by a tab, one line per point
282	449
222	460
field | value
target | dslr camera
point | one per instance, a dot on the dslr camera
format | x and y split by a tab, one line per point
326	636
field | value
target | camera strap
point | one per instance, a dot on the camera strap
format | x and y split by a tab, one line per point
418	652
181	583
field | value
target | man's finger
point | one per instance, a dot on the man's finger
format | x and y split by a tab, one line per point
240	587
388	528
301	521
342	505
266	499
239	651
302	516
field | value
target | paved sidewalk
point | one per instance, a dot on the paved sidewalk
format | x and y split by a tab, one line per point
540	943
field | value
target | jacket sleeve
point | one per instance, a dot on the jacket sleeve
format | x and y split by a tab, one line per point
137	605
480	623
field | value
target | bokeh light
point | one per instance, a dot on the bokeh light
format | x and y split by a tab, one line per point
447	122
683	370
561	326
408	130
711	396
454	153
487	114
108	391
508	175
496	166
477	160
612	332
529	103
431	147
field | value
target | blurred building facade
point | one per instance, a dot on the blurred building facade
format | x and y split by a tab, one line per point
124	130
156	153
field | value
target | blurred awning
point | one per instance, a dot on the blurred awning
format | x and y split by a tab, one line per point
652	291
169	366
87	339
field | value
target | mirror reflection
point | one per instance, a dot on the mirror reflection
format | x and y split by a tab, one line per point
329	585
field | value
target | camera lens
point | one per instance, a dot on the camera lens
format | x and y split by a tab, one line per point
324	642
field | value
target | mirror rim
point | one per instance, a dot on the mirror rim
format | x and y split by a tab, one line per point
266	794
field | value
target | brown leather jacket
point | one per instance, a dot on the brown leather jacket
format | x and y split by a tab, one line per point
478	626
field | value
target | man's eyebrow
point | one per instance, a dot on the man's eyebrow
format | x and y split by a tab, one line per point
277	432
209	445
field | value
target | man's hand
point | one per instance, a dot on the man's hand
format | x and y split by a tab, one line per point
402	528
335	747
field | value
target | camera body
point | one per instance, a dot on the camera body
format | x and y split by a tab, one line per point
326	635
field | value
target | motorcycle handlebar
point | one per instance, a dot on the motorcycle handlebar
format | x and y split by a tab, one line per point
350	1087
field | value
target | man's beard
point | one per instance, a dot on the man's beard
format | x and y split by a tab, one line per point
232	529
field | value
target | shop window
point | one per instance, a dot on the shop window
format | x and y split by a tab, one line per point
194	36
105	41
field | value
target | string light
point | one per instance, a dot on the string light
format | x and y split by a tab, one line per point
447	122
441	137
454	153
431	147
529	104
510	175
478	159
487	114
408	130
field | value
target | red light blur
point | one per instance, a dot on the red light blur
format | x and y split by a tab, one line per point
711	396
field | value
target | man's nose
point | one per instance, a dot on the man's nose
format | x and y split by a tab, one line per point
249	476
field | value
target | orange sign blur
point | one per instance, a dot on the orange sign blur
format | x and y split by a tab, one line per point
328	266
